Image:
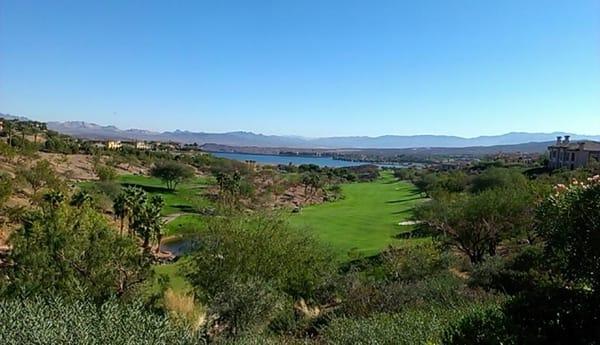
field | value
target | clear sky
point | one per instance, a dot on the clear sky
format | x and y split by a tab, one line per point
310	68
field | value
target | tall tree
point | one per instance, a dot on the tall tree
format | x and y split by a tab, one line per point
147	222
120	209
171	173
135	198
39	176
72	252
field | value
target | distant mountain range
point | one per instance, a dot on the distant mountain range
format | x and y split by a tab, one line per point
93	131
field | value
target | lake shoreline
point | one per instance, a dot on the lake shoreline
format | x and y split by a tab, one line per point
323	161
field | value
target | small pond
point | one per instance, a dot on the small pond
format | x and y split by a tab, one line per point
179	245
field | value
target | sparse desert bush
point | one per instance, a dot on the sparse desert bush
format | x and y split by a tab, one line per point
184	308
105	172
6	187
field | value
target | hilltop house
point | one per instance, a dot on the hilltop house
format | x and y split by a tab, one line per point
572	155
113	144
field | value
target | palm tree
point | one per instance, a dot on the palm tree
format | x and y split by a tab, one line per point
147	221
54	198
120	209
156	204
135	198
80	198
9	127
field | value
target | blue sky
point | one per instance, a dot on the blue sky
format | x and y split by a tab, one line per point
310	68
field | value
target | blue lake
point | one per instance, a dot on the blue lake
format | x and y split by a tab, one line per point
296	160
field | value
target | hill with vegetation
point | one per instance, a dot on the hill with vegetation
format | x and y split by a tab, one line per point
176	246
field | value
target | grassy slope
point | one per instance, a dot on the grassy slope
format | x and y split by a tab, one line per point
175	202
178	201
185	224
366	220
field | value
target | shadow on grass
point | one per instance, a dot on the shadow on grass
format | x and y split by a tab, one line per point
401	201
185	208
149	189
415	233
407	211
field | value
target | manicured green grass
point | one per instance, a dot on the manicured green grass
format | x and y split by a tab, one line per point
176	281
186	198
184	224
366	220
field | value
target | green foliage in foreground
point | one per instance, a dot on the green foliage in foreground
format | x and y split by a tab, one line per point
424	325
72	252
39	321
261	247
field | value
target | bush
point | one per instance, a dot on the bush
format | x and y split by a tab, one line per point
55	321
523	271
540	316
569	223
498	178
105	173
6	187
262	247
247	307
72	252
171	172
414	326
364	298
413	262
481	327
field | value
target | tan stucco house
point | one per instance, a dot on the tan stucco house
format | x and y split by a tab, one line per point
571	155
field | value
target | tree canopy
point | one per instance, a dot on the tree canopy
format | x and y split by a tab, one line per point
171	172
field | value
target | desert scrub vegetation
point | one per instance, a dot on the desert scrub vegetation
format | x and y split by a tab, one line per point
422	325
56	321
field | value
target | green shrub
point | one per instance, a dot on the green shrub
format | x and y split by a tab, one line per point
105	173
498	178
481	327
523	271
540	316
6	187
55	321
262	247
414	326
72	252
413	262
247	307
364	298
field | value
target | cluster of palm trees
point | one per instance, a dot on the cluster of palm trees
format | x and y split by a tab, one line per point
312	183
229	185
24	127
142	214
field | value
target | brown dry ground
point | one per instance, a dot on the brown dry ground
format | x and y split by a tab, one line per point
73	168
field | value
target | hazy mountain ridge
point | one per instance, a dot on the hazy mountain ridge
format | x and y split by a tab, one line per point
241	138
